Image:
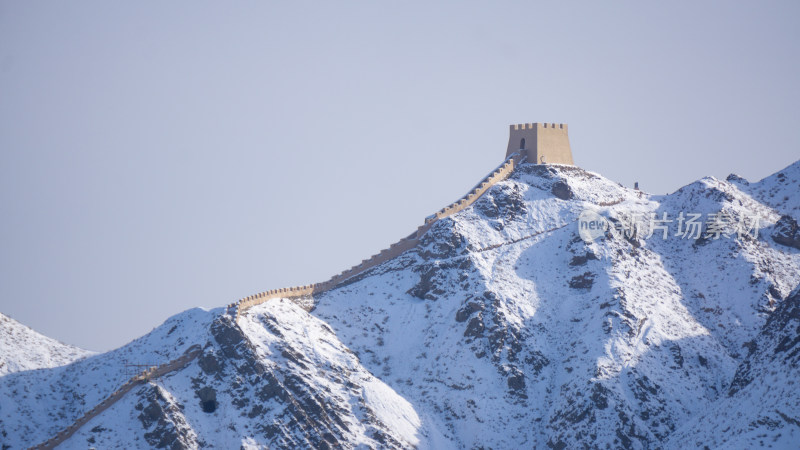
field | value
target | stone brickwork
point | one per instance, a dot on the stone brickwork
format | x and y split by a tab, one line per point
411	241
532	142
144	377
542	143
545	143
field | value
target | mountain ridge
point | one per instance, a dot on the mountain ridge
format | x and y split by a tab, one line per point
38	350
502	328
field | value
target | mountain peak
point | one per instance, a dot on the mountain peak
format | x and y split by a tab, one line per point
22	348
502	326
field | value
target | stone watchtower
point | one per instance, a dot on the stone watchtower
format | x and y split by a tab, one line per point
544	143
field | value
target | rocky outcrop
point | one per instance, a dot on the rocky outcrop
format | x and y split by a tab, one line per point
786	232
778	344
162	418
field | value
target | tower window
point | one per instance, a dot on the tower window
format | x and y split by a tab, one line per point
522	143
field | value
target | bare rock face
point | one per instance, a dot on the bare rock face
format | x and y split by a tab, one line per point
582	281
501	204
208	399
262	384
562	190
164	421
280	397
777	344
502	329
441	241
434	278
734	178
786	232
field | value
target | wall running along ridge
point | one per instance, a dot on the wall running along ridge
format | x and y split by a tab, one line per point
395	250
299	292
513	159
147	375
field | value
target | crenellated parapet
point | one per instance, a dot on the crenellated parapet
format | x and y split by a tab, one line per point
549	139
398	248
535	125
529	142
543	143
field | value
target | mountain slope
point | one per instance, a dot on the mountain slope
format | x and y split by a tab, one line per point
22	348
281	380
35	405
503	329
778	191
547	340
761	408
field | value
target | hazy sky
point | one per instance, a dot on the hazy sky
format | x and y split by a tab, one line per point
156	156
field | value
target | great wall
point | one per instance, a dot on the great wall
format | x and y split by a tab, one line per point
394	250
551	144
144	377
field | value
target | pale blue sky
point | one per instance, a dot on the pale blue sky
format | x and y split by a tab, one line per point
156	156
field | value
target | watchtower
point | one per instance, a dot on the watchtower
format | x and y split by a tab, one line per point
544	143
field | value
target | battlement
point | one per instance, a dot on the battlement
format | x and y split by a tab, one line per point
528	142
304	294
531	126
542	143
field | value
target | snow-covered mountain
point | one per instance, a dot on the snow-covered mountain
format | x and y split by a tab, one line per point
22	348
503	329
